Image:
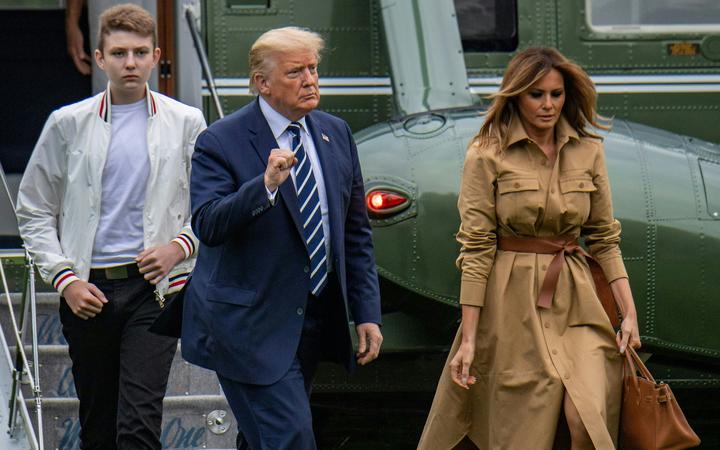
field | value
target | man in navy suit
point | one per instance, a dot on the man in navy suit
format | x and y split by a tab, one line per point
286	254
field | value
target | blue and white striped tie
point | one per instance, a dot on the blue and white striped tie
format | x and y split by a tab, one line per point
309	202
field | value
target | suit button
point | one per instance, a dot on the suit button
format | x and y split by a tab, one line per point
299	311
306	269
582	185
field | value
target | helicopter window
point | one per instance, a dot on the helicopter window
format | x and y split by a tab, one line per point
487	25
711	174
653	16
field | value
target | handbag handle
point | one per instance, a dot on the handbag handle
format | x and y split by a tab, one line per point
634	364
632	359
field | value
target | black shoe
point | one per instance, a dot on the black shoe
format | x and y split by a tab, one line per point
240	442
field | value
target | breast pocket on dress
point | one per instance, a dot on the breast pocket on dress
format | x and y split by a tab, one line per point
518	199
576	190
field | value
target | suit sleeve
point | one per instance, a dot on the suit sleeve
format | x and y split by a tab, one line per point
362	281
221	206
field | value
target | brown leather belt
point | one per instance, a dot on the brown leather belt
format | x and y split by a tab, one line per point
559	246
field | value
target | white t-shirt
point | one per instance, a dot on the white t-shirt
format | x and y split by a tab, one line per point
119	237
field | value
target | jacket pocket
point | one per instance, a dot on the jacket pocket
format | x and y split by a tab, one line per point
231	295
518	200
517	185
577	184
576	192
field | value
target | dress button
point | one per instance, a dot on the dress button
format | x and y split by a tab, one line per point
544	267
547	324
554	352
567	376
552	191
306	269
299	311
582	185
517	185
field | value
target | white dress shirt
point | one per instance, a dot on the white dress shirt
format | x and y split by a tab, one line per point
279	124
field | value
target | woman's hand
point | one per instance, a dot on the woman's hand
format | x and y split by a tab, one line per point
460	365
629	333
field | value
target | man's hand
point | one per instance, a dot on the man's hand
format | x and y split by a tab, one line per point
84	299
75	48
156	262
369	341
280	161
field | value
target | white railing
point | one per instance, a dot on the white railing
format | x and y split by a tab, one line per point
13	374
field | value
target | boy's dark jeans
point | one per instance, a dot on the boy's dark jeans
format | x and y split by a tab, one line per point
120	369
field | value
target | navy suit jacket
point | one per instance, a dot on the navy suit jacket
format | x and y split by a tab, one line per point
244	306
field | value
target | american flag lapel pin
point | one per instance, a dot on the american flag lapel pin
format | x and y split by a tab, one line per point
325	138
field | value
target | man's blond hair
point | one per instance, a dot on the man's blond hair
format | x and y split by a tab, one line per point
281	40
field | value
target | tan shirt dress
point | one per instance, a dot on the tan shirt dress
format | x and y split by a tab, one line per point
527	357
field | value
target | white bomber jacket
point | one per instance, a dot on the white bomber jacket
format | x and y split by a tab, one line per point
58	204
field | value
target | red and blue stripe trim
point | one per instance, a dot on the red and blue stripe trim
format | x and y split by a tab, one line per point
63	279
177	282
186	243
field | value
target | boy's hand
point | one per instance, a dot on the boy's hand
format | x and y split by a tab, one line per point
84	299
156	262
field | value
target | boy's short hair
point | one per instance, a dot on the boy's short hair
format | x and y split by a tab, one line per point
126	17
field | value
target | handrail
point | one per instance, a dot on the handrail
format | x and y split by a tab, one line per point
21	369
7	188
202	56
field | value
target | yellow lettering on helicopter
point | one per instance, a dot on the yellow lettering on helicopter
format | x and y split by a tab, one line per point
683	49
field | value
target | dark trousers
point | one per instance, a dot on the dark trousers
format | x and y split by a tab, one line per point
278	416
120	369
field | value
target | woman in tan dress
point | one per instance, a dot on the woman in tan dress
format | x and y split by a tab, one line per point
531	359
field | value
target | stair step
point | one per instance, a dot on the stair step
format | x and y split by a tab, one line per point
56	376
184	423
48	319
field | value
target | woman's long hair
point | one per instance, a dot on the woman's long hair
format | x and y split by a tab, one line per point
524	70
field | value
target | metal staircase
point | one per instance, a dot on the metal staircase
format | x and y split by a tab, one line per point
195	415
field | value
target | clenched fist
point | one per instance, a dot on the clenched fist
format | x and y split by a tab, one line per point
84	299
280	162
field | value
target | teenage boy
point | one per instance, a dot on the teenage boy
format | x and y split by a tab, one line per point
103	208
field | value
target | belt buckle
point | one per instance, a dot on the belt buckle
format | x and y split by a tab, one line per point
116	273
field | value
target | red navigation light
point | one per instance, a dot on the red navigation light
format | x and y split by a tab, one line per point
382	202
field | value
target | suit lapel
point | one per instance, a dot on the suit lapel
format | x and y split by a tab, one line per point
324	147
263	141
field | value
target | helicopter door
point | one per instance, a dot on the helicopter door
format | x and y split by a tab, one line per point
166	41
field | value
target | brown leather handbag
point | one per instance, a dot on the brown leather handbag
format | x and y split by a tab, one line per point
651	418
